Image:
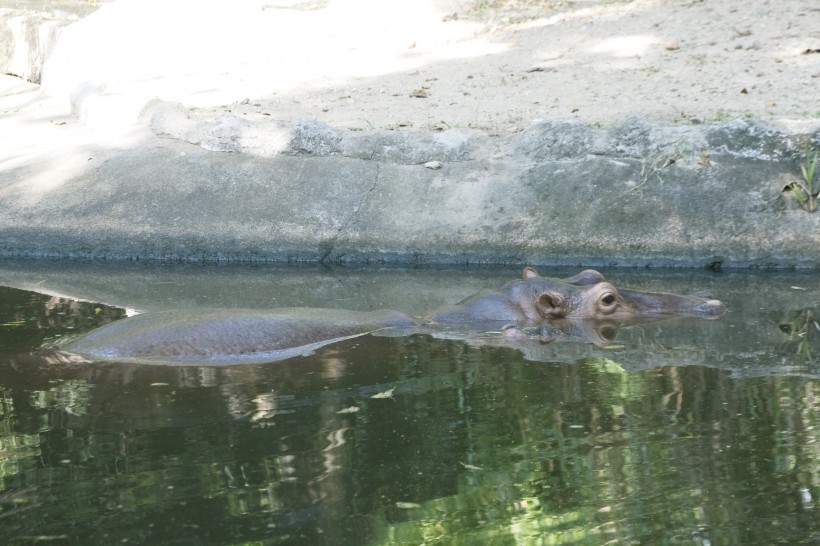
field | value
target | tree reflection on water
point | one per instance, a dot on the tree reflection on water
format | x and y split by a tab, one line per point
677	433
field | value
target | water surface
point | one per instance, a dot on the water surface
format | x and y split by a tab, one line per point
680	432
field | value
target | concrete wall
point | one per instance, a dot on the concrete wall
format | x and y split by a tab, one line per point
557	193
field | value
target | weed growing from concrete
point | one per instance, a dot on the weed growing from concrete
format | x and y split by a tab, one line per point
803	190
800	333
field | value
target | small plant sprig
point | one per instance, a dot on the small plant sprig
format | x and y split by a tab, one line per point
801	332
803	190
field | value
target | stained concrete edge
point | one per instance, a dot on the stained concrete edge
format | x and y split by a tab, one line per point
558	193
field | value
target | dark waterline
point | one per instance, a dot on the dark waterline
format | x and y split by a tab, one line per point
681	432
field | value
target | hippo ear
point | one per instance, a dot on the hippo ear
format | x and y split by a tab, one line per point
529	273
551	304
586	277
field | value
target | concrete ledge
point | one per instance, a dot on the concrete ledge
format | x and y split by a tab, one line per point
558	193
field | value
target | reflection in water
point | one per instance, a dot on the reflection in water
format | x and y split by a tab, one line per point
802	332
417	440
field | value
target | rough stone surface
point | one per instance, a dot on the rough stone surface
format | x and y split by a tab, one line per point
29	32
559	193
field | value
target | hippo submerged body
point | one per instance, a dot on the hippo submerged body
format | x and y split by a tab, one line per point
229	336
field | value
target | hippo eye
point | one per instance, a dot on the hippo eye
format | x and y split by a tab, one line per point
608	299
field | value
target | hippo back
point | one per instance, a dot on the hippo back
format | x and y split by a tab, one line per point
225	336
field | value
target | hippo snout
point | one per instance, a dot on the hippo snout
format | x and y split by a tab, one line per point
711	308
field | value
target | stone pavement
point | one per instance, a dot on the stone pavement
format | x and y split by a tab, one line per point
168	147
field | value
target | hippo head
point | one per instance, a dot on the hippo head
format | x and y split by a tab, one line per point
588	295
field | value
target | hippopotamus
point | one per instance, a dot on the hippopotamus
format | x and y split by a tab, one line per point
227	336
587	295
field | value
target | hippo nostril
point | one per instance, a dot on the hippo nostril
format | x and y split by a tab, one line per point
712	307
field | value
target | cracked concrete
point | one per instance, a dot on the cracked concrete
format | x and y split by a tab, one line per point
327	247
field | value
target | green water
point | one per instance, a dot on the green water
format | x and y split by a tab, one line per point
686	432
